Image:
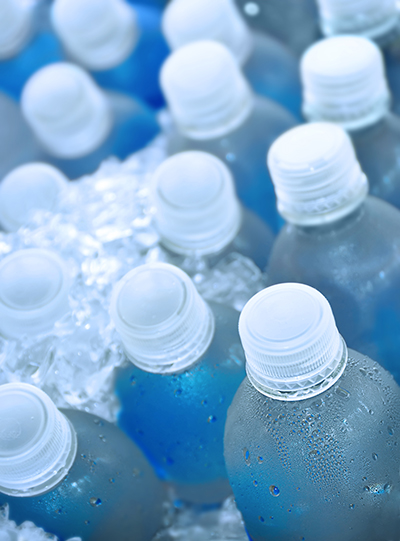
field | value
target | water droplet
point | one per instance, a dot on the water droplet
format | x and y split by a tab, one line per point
387	488
178	392
132	380
261	519
87	522
255	483
102	438
374	456
342	393
211	419
204	402
274	490
136	472
390	430
260	459
112	480
251	9
352	506
95	502
366	488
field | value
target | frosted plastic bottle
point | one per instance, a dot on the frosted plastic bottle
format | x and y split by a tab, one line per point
77	124
26	189
312	435
375	20
198	213
269	66
73	474
17	144
293	22
121	45
26	43
337	239
344	82
187	364
215	111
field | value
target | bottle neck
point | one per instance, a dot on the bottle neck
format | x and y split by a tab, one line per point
327	228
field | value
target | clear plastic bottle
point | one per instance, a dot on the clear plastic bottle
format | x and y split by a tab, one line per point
26	43
344	82
270	67
26	189
77	124
337	238
215	111
187	365
121	45
73	474
293	22
312	435
198	213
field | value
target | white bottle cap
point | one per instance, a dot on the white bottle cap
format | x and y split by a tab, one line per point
34	286
292	346
15	26
316	175
100	34
65	108
164	324
37	442
26	189
370	18
344	82
197	207
185	21
206	91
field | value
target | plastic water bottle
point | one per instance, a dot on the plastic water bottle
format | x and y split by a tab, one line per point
375	20
214	110
187	365
338	239
26	43
26	189
198	213
121	45
269	66
311	438
344	82
77	124
292	22
71	473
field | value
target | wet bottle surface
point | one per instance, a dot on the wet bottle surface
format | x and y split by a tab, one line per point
320	468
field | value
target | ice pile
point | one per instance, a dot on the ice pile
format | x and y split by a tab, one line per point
27	531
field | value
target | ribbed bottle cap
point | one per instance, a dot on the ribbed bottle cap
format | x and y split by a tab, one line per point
37	443
185	21
197	208
316	175
34	287
26	189
100	34
292	346
370	18
344	82
163	322
206	91
65	108
15	26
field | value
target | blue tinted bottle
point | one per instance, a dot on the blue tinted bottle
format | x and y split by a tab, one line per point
214	110
186	365
71	473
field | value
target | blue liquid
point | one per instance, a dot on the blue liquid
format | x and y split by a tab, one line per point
244	151
178	420
135	126
355	263
324	468
273	72
110	492
138	75
378	151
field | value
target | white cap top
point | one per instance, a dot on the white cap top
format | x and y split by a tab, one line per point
197	208
37	443
185	21
15	26
316	175
292	346
164	324
26	189
34	287
206	91
344	82
65	108
370	18
100	34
